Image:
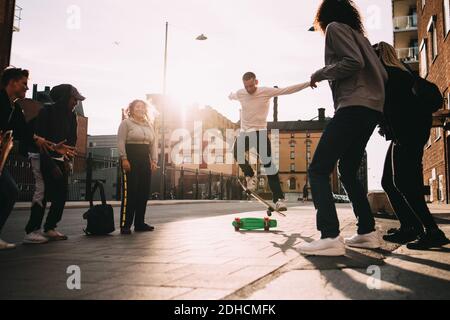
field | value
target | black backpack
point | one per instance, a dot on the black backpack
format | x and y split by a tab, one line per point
100	218
428	94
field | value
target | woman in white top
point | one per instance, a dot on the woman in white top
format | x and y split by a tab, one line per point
137	144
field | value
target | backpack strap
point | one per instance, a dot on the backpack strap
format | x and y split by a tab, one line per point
98	185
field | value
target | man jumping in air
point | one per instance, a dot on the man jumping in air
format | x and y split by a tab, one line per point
255	102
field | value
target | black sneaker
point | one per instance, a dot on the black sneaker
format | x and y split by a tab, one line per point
401	236
431	239
125	231
144	228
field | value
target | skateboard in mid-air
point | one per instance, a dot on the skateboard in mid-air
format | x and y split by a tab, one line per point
254	224
269	207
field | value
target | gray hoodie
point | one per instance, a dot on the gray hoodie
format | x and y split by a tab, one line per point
356	75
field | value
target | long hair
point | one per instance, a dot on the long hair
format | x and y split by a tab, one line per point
343	11
388	56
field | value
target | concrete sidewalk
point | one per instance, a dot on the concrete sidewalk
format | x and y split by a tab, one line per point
205	258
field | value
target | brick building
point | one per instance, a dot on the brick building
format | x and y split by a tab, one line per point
433	18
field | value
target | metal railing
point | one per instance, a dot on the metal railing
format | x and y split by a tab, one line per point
405	23
181	183
408	55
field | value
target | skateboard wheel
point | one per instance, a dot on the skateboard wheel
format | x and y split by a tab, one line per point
269	213
238	224
266	224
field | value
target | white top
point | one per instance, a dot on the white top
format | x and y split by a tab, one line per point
255	107
133	132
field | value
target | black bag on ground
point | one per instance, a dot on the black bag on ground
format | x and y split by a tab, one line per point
100	218
428	94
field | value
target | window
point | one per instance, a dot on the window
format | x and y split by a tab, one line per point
447	102
114	153
292	135
438	133
292	155
292	167
187	160
428	143
446	17
424	59
433	37
219	160
431	190
292	184
262	183
441	188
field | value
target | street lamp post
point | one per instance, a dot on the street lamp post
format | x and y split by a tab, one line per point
163	129
201	37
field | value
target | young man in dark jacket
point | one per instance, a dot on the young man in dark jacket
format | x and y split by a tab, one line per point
57	122
14	84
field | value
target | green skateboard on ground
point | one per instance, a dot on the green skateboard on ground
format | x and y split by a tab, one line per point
254	224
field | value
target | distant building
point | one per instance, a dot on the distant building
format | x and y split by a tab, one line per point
298	142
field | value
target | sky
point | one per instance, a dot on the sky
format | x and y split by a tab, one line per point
113	52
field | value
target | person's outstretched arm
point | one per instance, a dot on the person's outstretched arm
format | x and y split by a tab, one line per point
276	92
233	96
344	45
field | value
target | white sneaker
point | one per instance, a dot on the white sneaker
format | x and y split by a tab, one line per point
35	237
252	183
324	247
367	241
280	206
6	246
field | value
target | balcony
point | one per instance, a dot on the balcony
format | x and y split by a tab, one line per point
406	23
408	55
17	18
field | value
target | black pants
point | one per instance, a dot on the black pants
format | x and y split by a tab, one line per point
135	186
8	196
403	183
265	156
56	192
344	140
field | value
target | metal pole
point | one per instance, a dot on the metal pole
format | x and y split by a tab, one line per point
163	129
89	164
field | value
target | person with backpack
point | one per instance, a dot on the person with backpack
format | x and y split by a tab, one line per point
56	122
357	80
138	150
407	123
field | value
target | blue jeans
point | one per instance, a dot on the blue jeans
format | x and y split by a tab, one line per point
344	140
8	196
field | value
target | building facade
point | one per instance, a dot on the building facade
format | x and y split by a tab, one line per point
434	52
7	17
